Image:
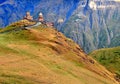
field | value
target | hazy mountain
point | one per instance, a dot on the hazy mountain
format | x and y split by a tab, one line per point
13	10
95	25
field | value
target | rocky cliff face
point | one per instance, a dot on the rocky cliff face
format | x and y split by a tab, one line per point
95	25
92	24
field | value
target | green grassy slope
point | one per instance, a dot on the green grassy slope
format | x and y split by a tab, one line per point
110	58
44	56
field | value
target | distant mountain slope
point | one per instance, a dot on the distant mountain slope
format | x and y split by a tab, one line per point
41	55
110	58
95	25
14	10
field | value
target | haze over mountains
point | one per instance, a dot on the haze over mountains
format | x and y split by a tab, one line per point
92	24
97	26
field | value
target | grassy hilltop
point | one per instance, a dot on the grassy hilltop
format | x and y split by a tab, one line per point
42	55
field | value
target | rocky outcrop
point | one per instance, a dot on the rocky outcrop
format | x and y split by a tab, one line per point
95	26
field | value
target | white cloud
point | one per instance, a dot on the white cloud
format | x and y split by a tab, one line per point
60	20
106	6
93	5
117	0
